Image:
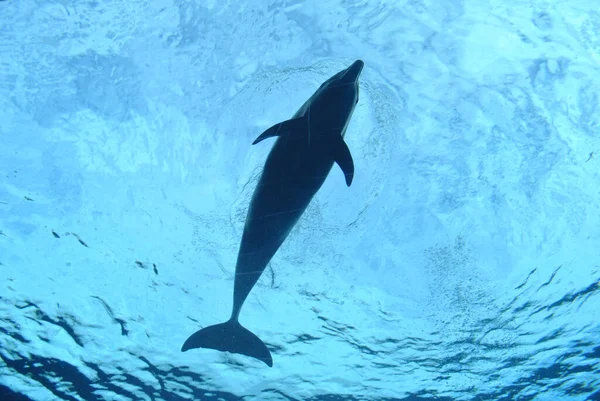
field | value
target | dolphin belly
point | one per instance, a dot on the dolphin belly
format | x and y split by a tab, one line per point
284	191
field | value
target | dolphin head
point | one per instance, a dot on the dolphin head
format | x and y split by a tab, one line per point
333	103
345	77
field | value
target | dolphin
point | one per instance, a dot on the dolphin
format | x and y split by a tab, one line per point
306	148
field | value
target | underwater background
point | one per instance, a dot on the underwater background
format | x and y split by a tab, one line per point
462	263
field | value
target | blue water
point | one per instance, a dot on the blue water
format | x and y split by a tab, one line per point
462	263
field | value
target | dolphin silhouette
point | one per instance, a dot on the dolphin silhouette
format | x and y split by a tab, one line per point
306	148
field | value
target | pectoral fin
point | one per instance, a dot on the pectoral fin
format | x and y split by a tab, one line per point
283	128
342	156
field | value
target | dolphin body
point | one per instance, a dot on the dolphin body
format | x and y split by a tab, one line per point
306	148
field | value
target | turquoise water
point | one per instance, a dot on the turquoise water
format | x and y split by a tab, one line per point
462	263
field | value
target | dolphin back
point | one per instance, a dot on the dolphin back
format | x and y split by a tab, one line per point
232	337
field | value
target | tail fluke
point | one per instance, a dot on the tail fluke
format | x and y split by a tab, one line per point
230	336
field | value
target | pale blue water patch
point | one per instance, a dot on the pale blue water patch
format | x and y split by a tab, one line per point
461	264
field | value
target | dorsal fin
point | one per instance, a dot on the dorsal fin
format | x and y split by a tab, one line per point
283	128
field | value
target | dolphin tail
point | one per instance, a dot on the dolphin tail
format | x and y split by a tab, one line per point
230	336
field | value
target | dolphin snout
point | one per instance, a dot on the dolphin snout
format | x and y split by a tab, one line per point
355	69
